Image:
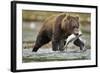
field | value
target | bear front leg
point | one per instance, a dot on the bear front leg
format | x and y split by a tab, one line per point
61	45
79	43
55	45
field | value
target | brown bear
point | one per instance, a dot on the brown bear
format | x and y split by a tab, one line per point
56	29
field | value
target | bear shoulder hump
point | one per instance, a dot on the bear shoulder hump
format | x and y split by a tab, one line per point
60	17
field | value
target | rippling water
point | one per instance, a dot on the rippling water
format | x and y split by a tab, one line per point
49	55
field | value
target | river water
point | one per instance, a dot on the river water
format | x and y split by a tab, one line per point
49	55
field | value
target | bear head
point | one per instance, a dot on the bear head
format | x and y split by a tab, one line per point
70	24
